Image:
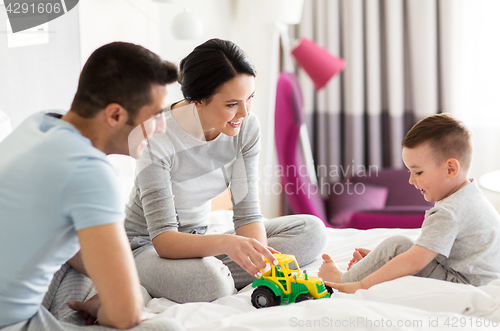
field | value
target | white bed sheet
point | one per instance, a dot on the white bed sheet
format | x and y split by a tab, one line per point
409	303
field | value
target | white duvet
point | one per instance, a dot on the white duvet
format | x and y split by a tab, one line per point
408	303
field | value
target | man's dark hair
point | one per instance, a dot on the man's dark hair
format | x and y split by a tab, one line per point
120	73
209	66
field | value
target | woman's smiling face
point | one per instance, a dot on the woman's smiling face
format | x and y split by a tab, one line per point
226	109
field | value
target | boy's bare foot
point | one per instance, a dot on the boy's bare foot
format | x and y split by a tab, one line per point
357	255
329	270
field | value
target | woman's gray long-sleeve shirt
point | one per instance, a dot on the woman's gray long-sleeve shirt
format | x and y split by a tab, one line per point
178	176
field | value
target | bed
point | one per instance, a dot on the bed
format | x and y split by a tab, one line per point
408	303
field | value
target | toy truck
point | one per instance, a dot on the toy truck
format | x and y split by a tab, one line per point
286	283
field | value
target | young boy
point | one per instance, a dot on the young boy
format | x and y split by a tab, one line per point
460	239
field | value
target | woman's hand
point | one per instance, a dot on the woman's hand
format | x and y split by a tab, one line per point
89	308
248	253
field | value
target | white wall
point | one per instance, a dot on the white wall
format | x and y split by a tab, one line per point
101	22
259	40
41	76
217	17
147	23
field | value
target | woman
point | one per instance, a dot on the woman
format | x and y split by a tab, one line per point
212	142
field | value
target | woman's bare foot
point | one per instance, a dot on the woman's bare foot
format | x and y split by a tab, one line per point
357	255
329	270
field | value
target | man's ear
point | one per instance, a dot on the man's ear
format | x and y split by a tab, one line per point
453	167
115	115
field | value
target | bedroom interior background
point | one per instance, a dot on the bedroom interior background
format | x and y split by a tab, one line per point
406	59
400	67
93	23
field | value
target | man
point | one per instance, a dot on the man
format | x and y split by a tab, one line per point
59	196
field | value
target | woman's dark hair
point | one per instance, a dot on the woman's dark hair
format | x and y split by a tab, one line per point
209	66
123	73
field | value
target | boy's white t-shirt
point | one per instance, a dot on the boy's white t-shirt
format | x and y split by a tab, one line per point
464	229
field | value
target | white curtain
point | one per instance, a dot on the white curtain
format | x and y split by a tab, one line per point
478	80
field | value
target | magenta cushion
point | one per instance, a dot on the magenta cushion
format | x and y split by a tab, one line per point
370	220
344	204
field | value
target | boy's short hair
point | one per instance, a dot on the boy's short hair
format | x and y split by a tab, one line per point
120	73
447	136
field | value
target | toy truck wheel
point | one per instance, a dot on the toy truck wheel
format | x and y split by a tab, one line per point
264	297
303	297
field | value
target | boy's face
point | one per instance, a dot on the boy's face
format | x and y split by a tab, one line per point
427	175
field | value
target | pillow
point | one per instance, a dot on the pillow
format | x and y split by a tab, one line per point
350	199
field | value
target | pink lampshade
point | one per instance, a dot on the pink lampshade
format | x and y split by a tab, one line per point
319	64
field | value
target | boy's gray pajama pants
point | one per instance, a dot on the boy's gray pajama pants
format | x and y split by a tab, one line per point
390	248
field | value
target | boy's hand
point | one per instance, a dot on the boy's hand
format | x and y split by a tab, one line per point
346	287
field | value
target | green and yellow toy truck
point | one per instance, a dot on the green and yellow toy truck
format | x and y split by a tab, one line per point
286	283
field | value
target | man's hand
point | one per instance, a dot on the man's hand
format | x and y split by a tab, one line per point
89	308
346	287
110	264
